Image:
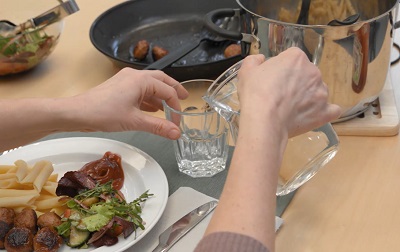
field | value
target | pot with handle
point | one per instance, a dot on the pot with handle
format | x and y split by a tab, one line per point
353	58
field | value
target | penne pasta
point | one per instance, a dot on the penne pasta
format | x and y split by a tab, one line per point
8	183
19	201
46	169
16	193
50	187
35	187
34	173
53	177
45	203
22	169
7	176
6	168
57	210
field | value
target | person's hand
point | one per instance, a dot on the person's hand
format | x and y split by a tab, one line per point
117	104
287	86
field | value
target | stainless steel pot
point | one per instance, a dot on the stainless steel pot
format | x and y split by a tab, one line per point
354	59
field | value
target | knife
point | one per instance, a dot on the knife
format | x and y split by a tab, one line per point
176	231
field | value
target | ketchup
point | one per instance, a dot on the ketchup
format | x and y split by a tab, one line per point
105	169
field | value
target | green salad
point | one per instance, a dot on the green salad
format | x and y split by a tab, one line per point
24	51
98	216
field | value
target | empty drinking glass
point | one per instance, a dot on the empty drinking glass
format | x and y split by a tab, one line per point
202	149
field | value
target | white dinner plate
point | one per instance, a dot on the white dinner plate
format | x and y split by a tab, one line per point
141	171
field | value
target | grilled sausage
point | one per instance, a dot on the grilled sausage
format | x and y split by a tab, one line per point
27	218
232	50
46	240
158	52
49	219
7	216
141	49
19	240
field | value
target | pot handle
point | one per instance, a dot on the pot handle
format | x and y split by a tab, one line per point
211	18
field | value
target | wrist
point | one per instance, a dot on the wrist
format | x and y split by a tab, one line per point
70	115
262	120
263	130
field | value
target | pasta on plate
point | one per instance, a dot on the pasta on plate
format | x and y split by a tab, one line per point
23	186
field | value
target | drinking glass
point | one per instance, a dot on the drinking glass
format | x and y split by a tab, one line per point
202	149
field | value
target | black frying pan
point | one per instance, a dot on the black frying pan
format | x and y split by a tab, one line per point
166	23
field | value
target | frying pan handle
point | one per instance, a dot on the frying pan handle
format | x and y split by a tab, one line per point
211	18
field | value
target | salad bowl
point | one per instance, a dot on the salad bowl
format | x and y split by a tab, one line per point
26	50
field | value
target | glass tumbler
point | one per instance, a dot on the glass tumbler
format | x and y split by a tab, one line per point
202	149
304	155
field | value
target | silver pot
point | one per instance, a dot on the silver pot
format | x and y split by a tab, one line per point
354	58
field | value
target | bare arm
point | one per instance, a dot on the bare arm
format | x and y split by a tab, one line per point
115	105
281	97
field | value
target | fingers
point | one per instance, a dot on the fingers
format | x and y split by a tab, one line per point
161	76
159	126
156	90
252	61
332	111
181	91
145	106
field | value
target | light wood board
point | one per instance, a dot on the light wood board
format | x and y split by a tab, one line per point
380	119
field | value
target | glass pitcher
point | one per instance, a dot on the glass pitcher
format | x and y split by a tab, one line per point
304	155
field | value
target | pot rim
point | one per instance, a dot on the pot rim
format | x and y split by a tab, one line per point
316	26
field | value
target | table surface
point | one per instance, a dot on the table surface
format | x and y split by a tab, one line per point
350	205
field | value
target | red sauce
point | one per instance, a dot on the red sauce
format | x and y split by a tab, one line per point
105	169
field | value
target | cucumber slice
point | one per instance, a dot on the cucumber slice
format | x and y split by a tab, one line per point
78	237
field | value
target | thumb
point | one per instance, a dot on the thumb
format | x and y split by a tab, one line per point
159	126
333	111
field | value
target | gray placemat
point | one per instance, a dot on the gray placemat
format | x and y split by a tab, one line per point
161	150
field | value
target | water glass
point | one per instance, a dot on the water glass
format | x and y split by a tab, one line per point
202	149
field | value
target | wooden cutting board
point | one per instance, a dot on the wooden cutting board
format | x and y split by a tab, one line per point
380	119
